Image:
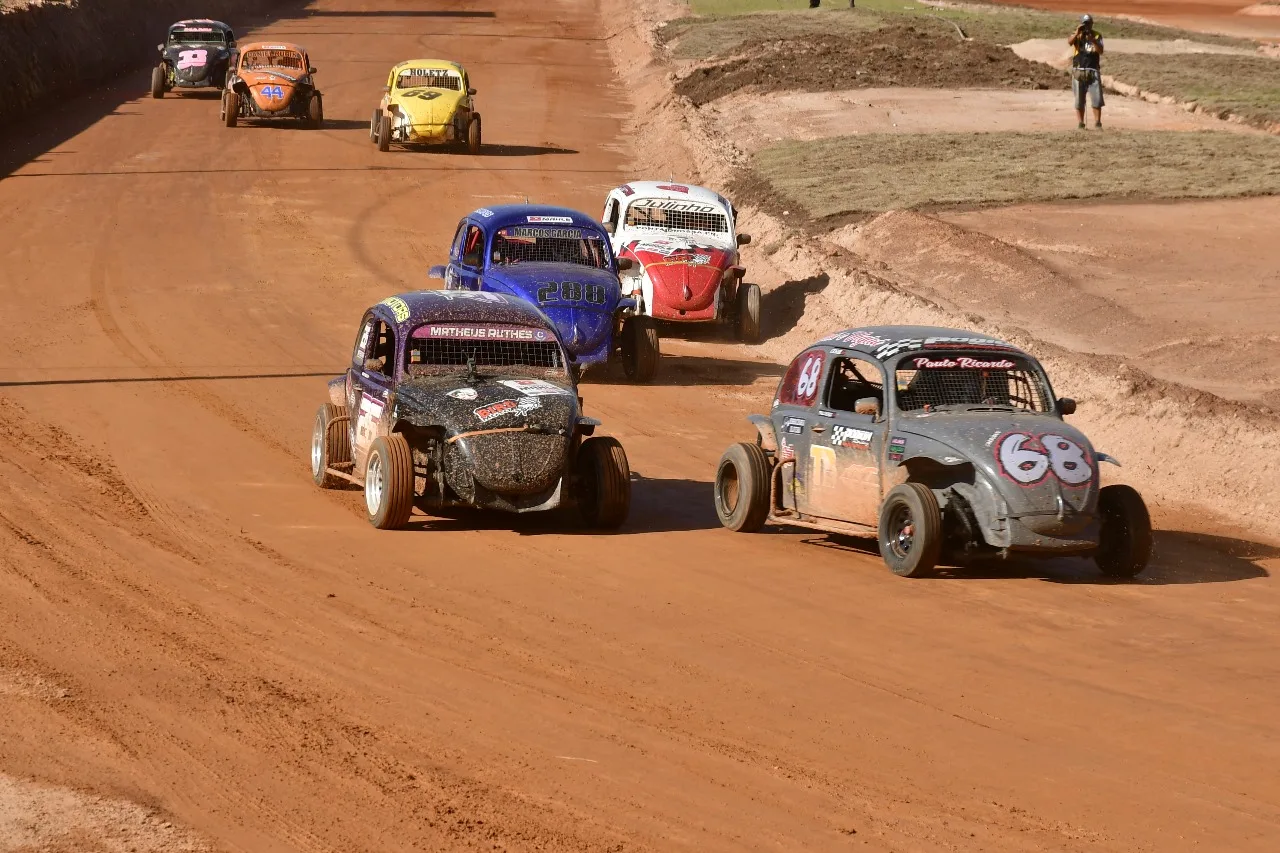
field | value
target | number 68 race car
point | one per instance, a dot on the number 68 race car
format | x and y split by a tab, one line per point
943	443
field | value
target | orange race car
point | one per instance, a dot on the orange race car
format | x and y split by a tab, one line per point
272	81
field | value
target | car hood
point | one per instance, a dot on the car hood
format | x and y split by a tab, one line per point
461	406
584	323
1031	460
287	82
425	105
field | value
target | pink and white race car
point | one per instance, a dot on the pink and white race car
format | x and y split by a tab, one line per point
684	249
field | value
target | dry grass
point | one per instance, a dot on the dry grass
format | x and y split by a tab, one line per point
723	26
1247	86
877	172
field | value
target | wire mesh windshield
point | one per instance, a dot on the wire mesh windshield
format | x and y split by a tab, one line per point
413	78
978	380
199	36
447	356
272	59
549	245
676	220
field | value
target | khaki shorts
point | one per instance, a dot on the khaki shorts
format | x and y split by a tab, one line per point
1086	81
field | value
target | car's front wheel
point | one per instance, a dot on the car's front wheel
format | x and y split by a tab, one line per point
230	107
384	132
388	482
1124	541
604	483
157	81
330	445
742	488
910	530
640	351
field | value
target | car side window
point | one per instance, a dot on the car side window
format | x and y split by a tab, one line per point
855	385
382	349
800	384
455	250
472	246
611	215
359	355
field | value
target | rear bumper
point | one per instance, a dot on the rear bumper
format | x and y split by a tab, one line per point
678	315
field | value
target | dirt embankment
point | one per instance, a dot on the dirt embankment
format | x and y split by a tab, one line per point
49	51
895	55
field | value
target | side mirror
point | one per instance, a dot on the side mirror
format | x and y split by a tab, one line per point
311	71
1066	406
867	406
744	239
471	259
471	90
436	271
625	264
610	227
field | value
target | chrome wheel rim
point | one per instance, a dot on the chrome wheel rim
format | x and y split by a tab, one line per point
902	532
317	448
373	484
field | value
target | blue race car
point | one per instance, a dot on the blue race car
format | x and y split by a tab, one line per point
561	261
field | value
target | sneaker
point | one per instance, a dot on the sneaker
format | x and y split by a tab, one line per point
1098	125
1082	125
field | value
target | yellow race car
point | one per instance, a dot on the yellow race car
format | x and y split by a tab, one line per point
427	102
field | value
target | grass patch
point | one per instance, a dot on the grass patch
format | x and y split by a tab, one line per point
876	172
1248	86
724	26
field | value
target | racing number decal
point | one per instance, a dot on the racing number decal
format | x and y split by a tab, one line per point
1027	459
800	385
192	58
571	291
275	93
808	384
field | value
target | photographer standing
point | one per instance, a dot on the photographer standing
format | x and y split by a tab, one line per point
1086	69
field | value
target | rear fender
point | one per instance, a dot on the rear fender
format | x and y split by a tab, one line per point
768	438
338	391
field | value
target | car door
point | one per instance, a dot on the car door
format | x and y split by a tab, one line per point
369	384
846	433
797	394
466	261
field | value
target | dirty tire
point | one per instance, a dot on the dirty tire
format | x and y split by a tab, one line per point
384	133
388	482
374	121
1124	542
157	82
315	113
473	136
604	483
640	351
330	447
749	313
910	530
230	107
742	488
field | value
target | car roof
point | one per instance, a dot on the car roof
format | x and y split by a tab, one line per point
505	215
672	190
883	343
445	306
433	64
191	23
271	45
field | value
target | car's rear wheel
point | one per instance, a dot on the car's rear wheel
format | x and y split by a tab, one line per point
157	81
749	313
315	112
742	488
473	135
603	483
330	445
230	107
1124	541
384	133
910	530
640	352
373	125
388	482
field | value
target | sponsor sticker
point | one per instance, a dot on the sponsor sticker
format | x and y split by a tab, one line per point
673	188
490	411
823	471
793	426
674	204
785	451
627	190
462	394
399	308
552	220
850	437
822	413
897	448
865	340
535	387
903	345
476	295
485	212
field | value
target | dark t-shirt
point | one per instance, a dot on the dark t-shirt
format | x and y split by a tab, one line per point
1083	57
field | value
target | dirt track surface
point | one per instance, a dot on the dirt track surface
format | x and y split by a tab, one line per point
187	623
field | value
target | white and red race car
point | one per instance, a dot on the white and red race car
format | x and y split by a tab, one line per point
684	247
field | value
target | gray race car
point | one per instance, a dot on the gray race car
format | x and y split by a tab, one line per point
946	444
